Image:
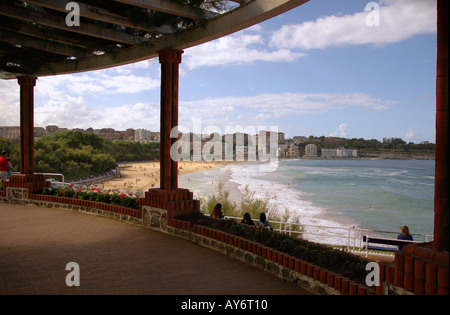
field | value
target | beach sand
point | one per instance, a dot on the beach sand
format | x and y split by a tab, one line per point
139	177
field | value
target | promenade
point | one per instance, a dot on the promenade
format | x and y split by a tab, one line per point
115	257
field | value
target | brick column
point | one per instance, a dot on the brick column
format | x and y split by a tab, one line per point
27	178
177	201
170	59
27	124
441	158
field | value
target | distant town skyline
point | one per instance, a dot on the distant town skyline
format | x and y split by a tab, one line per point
13	133
318	70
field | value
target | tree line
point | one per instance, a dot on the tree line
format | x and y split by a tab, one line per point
80	154
397	144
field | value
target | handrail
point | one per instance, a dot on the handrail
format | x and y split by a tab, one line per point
53	174
352	237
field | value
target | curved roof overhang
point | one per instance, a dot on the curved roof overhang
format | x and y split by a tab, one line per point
35	39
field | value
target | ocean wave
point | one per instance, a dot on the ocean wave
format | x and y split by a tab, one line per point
287	199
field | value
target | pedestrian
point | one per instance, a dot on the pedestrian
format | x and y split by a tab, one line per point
10	172
4	166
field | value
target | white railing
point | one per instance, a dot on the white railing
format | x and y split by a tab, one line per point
349	238
54	174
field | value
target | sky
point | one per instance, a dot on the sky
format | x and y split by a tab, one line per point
345	68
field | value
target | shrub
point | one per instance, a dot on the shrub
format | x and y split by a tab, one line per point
94	194
335	260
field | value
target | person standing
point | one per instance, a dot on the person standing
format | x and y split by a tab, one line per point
4	166
10	172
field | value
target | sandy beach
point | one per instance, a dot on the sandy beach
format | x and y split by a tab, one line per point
139	177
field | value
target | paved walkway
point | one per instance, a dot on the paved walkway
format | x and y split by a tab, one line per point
115	257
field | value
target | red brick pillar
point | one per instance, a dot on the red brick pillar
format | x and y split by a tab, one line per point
27	178
441	158
27	124
177	201
170	59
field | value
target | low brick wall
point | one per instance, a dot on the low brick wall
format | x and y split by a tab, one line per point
20	196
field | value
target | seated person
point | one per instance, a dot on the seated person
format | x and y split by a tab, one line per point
247	219
217	211
263	223
404	235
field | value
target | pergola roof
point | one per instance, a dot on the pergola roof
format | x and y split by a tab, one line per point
35	39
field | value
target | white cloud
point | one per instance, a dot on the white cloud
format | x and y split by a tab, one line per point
340	131
264	108
99	82
399	20
9	103
76	113
409	135
240	48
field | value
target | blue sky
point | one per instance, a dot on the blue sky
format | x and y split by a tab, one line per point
316	70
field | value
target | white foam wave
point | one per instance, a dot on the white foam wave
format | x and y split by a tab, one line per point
318	225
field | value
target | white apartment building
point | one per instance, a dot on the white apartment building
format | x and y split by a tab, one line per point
340	152
311	150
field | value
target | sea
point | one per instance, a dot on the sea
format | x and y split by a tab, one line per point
333	194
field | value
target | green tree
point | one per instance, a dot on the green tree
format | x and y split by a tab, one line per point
74	153
13	152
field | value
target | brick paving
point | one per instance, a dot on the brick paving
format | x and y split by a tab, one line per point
115	258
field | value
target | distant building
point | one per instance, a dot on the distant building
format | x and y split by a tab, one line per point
54	129
292	151
129	135
155	136
329	153
10	132
109	133
310	151
340	152
141	135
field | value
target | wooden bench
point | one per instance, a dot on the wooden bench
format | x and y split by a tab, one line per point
368	240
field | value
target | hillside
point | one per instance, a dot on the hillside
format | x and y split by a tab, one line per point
396	154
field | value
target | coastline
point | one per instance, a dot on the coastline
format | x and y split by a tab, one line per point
141	176
202	178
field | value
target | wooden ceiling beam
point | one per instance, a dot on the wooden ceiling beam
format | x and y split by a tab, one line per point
94	13
54	35
171	8
38	44
60	23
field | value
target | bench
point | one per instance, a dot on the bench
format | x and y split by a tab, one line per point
383	241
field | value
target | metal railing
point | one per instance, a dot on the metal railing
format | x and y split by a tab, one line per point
54	174
349	238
